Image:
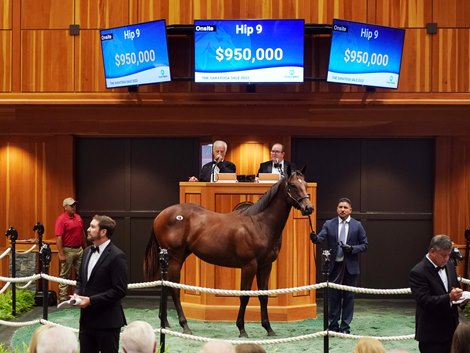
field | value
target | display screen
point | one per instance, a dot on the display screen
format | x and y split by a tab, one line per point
364	54
249	51
135	54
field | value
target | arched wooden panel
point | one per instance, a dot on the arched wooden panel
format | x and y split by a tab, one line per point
451	64
451	13
89	62
47	14
47	61
5	61
403	13
98	14
6	14
416	65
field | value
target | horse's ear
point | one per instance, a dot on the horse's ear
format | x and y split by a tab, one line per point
304	168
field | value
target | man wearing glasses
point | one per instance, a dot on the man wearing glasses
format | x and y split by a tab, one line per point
277	164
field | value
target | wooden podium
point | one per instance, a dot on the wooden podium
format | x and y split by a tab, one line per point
294	267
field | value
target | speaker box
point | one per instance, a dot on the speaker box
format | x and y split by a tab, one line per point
51	298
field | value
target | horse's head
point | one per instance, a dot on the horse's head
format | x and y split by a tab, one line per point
297	192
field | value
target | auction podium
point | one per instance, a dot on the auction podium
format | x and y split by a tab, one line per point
294	267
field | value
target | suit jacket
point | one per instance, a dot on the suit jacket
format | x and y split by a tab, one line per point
267	167
224	167
106	287
436	319
356	237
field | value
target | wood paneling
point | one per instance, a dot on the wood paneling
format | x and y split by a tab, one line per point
47	14
5	61
89	62
451	13
323	11
403	13
6	14
452	187
416	65
47	61
451	61
98	14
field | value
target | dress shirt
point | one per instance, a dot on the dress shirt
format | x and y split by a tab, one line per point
95	256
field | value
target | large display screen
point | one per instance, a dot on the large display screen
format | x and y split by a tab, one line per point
135	54
364	54
249	51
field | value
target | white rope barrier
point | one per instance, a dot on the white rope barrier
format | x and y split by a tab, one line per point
26	251
5	253
5	287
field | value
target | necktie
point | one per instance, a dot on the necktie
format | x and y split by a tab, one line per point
342	239
95	248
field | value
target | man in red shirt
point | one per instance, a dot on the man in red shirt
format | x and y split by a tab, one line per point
70	243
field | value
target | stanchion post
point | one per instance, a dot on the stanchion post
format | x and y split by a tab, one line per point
467	248
325	273
39	228
164	296
13	234
45	254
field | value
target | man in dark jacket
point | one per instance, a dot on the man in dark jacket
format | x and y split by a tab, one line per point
101	284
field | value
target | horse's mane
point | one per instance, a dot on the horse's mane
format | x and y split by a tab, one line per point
264	201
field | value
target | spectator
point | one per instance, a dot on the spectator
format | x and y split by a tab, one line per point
461	339
33	343
249	348
57	339
138	337
369	345
218	165
217	346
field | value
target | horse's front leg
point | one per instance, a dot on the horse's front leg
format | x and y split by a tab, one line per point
174	276
262	278
248	273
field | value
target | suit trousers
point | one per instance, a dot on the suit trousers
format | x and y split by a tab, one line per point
95	340
435	347
341	303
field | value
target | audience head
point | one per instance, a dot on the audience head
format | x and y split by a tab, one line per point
57	339
138	337
461	339
33	343
249	348
369	345
217	346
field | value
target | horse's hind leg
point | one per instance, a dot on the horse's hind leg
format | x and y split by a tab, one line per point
248	273
262	278
174	270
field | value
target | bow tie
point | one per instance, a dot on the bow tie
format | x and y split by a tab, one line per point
95	248
277	165
440	268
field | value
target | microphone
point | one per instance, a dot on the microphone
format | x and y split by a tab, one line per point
213	172
218	158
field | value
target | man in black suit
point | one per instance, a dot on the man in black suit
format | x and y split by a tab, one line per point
277	164
434	285
101	284
210	170
346	238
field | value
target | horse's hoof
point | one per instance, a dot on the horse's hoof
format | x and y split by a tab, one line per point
243	334
271	333
187	331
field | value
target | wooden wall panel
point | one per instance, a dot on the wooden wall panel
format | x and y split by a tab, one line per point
416	65
323	11
89	62
451	61
6	14
451	13
98	14
47	14
452	187
47	61
403	13
5	61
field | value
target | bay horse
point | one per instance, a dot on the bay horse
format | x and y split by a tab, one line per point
249	239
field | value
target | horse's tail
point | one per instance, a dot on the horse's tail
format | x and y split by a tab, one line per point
152	258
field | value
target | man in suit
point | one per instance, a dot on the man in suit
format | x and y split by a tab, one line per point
435	287
101	284
209	171
346	238
277	164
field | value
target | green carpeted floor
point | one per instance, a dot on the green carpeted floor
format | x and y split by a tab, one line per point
372	318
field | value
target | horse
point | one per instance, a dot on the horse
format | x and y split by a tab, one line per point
249	239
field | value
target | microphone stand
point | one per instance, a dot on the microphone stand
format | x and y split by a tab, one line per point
213	172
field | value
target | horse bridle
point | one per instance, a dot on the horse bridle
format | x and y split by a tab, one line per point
297	202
